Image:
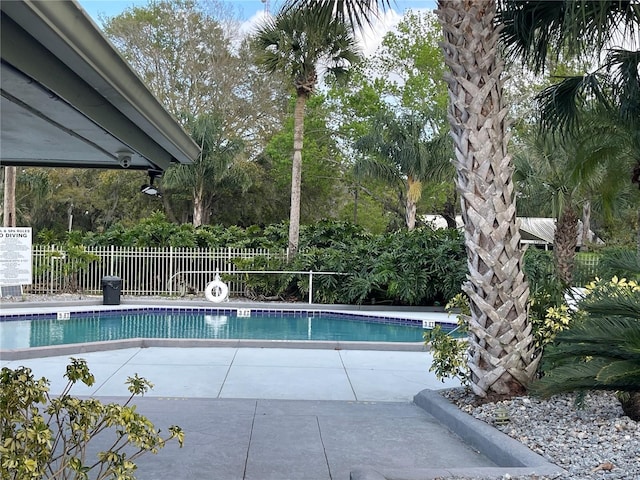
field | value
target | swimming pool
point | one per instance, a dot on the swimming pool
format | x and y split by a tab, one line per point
47	330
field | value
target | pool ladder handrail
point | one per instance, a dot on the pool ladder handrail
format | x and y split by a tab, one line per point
311	273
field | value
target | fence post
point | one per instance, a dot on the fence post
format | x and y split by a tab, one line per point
310	287
53	247
171	271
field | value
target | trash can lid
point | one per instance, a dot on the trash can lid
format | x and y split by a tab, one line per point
111	281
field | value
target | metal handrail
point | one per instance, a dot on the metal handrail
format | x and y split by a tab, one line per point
311	273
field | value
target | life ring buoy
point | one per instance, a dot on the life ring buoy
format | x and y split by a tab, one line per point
217	291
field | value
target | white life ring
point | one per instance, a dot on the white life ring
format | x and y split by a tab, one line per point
221	291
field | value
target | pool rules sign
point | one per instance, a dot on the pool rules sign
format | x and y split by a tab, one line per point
15	256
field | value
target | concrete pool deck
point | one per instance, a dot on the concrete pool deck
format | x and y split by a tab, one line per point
294	413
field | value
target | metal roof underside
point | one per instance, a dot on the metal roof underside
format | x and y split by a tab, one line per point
70	100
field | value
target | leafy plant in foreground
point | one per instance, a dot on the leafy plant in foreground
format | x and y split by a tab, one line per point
450	353
45	437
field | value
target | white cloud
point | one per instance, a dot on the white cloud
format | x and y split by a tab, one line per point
370	37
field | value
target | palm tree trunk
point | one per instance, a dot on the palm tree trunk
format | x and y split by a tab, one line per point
564	245
414	191
9	211
198	206
296	175
502	356
587	237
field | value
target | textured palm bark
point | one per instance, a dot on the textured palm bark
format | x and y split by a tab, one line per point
411	204
296	175
565	240
502	356
587	235
198	206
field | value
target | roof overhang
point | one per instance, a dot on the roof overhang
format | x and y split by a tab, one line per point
70	100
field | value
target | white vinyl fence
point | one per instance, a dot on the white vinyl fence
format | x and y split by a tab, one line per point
144	271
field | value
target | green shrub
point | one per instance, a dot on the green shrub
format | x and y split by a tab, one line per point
600	351
45	437
450	353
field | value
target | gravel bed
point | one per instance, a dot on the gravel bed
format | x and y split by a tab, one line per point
592	441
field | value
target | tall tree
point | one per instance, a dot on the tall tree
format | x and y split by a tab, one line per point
404	75
502	354
545	170
295	43
219	165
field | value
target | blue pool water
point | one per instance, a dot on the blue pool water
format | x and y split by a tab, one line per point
104	326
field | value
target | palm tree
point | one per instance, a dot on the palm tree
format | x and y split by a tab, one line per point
219	165
544	170
295	43
399	153
502	352
539	31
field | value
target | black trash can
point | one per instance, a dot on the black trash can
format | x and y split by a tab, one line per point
111	289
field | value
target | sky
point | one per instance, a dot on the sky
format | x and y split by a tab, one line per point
251	11
246	8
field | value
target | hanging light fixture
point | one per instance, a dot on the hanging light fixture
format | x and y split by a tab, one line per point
150	189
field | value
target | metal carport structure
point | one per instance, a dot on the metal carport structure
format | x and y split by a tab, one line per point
70	100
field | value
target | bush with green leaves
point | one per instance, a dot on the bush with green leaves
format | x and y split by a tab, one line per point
450	353
600	351
48	437
78	259
421	267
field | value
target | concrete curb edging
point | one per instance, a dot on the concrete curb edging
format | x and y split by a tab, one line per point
499	447
510	456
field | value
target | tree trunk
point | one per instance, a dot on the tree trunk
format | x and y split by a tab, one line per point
630	402
198	206
502	356
587	236
449	213
414	192
9	211
565	241
168	209
296	176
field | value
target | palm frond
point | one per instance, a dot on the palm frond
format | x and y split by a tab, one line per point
356	12
535	29
562	103
623	373
625	79
570	378
297	41
594	333
621	262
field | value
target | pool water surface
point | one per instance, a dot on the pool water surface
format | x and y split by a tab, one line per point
105	326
